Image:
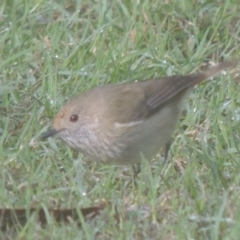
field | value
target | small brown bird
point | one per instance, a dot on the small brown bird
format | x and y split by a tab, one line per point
121	123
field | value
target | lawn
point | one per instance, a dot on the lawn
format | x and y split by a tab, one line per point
53	50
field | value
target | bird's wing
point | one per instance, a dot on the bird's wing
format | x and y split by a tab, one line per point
164	90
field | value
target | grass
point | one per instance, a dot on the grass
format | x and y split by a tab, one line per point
53	50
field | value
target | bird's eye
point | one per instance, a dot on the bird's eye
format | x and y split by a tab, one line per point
74	118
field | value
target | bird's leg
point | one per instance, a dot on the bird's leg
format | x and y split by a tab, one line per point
136	170
137	167
167	148
166	154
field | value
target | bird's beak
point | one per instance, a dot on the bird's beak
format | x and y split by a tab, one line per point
49	133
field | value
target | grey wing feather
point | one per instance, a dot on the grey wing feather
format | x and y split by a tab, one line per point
160	91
